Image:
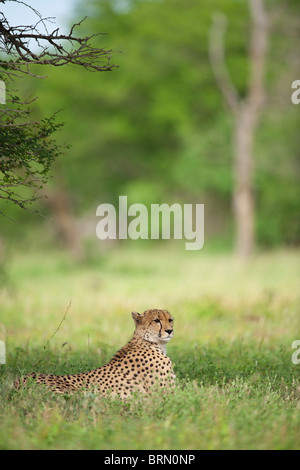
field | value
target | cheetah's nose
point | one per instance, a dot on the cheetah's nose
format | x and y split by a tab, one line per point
169	331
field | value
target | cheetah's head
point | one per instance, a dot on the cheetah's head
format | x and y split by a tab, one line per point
155	326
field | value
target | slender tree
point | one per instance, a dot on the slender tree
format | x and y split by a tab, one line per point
246	113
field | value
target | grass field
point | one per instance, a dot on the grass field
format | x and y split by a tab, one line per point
237	387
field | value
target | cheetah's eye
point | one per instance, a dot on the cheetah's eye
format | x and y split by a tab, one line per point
157	320
170	320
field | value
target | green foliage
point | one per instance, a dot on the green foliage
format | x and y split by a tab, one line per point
27	152
159	120
277	185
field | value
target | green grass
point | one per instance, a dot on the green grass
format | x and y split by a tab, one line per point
237	387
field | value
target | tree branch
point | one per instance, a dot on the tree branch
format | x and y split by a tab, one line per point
26	151
54	48
217	58
258	51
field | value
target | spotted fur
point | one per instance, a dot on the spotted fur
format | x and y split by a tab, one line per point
139	366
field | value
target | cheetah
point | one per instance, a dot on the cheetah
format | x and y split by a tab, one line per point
137	367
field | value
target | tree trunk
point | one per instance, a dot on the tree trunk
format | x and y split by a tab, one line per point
59	202
246	121
243	196
246	117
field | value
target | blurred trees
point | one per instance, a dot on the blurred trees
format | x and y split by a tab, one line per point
157	130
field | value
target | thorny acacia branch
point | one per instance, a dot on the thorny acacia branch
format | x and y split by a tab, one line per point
27	149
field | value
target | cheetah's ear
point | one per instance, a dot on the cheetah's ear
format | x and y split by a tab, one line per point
136	316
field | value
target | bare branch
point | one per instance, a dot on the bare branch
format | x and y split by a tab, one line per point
258	51
55	49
